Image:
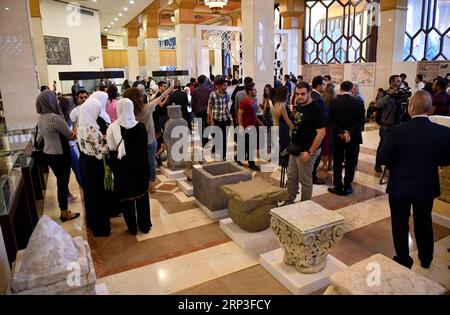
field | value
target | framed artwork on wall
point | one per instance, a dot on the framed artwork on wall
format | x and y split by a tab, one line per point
57	50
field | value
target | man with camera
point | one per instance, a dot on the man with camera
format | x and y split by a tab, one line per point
392	105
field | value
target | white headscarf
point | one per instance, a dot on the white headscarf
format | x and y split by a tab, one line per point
89	112
102	97
125	111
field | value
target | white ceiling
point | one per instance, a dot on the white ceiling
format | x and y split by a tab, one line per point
110	9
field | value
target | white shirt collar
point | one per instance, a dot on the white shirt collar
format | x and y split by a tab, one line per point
417	116
316	91
348	93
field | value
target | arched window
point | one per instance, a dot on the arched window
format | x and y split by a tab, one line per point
338	31
427	34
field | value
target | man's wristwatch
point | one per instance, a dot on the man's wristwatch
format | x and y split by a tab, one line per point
311	154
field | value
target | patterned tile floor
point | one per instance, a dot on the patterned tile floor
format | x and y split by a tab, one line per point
187	253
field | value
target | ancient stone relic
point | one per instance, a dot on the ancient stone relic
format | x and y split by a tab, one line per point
379	275
306	232
249	203
175	120
53	263
208	179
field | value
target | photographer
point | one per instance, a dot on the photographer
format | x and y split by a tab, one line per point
393	106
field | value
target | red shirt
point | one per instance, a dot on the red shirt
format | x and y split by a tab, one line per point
249	107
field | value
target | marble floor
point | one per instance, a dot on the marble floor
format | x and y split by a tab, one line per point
187	253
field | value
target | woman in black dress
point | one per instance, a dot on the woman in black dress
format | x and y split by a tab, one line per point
127	142
92	151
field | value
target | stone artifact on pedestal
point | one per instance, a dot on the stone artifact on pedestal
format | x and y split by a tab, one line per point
53	263
379	275
306	232
249	203
207	180
175	120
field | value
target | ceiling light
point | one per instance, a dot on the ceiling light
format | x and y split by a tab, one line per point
125	8
172	18
120	14
112	23
7	9
116	19
216	5
131	2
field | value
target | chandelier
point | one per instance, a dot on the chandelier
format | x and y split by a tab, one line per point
216	5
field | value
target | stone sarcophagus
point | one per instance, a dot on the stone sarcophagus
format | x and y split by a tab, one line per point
208	178
53	263
306	232
249	203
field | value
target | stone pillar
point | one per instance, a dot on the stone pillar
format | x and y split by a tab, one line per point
258	41
293	15
132	49
18	70
38	41
185	34
390	48
151	41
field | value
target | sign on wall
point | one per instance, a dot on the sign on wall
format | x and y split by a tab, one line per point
57	50
363	73
431	69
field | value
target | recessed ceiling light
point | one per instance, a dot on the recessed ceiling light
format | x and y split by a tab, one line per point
120	14
112	23
7	9
125	8
131	2
116	19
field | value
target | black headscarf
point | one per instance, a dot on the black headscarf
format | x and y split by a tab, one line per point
46	103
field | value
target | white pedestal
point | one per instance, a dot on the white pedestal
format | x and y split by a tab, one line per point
186	187
441	219
213	215
298	283
268	168
173	175
252	243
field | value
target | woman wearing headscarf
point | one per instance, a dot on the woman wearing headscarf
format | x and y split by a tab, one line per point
127	139
93	148
103	121
56	134
144	114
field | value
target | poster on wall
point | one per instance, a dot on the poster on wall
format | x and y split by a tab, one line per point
311	71
431	69
364	73
57	50
336	72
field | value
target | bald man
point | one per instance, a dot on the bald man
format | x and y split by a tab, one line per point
412	153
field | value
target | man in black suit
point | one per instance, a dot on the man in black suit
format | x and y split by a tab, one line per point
412	153
318	86
346	118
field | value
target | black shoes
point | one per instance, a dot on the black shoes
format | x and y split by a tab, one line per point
378	169
318	181
407	264
348	190
337	191
66	219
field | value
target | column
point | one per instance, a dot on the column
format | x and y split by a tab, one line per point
185	34
38	41
18	74
258	41
292	12
390	48
132	49
151	41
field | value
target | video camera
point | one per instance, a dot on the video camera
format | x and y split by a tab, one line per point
402	100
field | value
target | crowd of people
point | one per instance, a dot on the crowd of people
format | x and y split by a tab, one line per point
104	134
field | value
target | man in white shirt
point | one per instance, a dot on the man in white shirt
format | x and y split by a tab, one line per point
419	82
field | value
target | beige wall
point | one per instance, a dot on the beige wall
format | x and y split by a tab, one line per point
119	58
